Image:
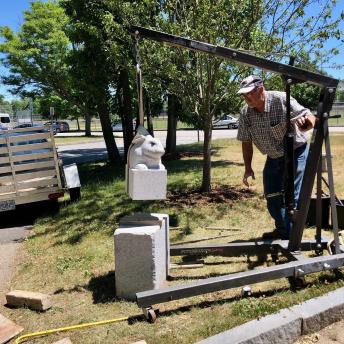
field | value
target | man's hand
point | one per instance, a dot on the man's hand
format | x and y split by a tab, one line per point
248	173
306	122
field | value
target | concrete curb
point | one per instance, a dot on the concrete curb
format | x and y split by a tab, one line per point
288	324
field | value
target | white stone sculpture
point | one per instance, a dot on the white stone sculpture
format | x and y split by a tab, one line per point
146	176
145	153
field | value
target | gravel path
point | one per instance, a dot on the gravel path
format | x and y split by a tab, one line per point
10	255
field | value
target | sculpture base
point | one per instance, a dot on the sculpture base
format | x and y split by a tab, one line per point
146	184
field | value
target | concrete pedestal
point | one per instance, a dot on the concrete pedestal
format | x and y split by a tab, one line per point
141	254
146	184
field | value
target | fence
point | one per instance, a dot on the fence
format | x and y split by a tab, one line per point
337	109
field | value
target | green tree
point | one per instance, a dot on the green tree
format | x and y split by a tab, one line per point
207	85
5	106
340	95
37	55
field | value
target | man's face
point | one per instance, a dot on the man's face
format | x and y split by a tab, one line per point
254	98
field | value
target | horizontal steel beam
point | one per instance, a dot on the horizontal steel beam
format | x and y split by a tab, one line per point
237	56
292	269
239	248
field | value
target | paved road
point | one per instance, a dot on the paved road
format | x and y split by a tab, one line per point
95	151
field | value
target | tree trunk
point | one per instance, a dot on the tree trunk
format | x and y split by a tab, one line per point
78	123
206	181
124	97
110	142
87	124
171	139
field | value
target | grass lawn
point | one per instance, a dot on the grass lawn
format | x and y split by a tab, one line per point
71	256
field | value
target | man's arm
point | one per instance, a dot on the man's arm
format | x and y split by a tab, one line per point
303	118
247	153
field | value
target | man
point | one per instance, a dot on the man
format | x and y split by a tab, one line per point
263	123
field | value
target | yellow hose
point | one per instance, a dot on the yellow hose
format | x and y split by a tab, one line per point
23	338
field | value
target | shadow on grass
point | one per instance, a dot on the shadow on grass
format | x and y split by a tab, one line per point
27	214
188	165
103	288
103	200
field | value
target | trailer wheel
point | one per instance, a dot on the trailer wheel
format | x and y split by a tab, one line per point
74	194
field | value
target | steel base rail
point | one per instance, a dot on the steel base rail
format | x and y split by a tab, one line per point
146	299
242	248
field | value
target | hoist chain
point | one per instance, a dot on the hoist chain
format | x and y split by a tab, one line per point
139	79
137	48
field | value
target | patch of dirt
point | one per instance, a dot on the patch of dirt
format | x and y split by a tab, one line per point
219	194
180	155
186	154
330	334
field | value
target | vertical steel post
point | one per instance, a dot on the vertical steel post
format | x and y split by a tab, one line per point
331	187
319	204
289	157
315	151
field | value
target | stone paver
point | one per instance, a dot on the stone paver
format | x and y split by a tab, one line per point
21	298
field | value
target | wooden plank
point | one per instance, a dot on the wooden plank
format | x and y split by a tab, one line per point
38	183
34	156
32	191
56	160
30	195
31	147
29	137
8	329
7	188
23	130
3	150
6	179
5	169
4	160
34	166
33	175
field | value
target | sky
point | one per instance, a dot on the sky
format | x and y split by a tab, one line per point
11	14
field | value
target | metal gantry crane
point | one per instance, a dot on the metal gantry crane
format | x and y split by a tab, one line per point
298	265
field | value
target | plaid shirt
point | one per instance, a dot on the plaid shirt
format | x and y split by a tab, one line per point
267	129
